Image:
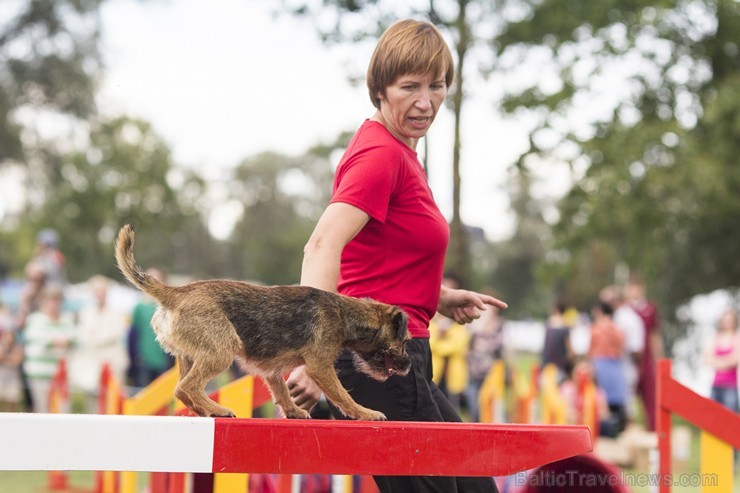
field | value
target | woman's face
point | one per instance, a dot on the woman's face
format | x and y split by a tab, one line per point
51	305
409	105
728	321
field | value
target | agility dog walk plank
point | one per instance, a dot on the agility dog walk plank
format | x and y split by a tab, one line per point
183	444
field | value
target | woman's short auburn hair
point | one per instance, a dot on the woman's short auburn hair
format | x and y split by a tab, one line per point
408	47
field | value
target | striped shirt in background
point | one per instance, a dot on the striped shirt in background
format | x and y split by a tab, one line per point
46	342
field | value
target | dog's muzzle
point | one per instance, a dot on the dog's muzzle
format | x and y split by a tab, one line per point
397	364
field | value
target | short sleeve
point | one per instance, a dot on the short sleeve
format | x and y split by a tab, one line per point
368	179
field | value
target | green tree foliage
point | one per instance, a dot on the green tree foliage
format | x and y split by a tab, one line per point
519	258
82	175
48	63
655	170
282	198
125	174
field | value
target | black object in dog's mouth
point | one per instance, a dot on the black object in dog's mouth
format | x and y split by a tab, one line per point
392	364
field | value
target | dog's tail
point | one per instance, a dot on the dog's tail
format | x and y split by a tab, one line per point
133	272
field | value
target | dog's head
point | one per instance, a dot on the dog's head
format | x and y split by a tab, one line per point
380	346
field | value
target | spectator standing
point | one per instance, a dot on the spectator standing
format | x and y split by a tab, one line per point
449	342
47	266
486	346
48	338
606	355
101	340
148	359
636	295
631	324
50	258
557	349
723	356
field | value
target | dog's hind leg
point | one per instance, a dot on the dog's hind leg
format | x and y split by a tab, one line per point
191	387
281	396
326	378
184	365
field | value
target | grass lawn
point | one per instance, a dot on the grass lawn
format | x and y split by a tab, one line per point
37	481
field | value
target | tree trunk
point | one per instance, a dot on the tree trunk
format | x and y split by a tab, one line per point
458	250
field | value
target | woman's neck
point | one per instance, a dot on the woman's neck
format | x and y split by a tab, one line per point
378	117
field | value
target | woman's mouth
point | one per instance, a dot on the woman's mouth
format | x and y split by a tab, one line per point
420	121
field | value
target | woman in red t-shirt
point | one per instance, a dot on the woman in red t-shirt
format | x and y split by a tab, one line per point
383	237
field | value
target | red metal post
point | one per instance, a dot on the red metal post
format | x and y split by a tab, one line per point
58	402
285	483
663	426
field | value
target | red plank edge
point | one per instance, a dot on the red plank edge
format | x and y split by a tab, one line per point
391	448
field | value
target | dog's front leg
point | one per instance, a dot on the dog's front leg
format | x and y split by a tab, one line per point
281	396
326	378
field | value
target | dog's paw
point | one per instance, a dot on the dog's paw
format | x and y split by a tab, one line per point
372	416
220	412
230	414
297	413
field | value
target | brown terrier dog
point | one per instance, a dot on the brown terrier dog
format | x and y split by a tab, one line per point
271	330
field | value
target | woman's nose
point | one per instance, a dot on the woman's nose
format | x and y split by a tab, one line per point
424	101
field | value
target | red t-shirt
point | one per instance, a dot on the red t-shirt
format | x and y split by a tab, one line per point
398	257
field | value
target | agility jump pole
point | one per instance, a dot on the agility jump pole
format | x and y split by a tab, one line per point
186	444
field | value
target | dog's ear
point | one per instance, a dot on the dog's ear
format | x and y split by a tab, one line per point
400	324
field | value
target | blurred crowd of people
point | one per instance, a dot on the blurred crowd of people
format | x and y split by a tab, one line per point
624	344
42	332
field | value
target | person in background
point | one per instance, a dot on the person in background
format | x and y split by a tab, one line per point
449	343
147	358
723	357
383	237
606	355
652	346
557	349
101	340
486	346
50	258
11	356
48	338
47	266
632	326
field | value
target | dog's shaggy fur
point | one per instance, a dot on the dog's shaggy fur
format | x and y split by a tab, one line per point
271	330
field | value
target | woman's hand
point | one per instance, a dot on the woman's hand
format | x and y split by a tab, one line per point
304	391
465	306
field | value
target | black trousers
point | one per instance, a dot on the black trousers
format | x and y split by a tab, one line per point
411	398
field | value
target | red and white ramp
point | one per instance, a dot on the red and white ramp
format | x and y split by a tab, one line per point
184	444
